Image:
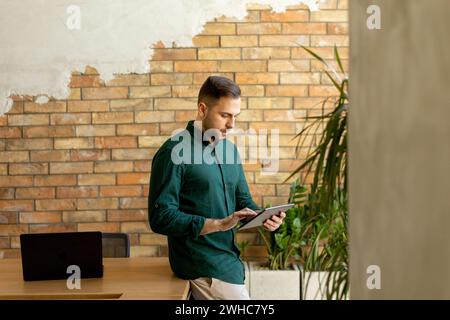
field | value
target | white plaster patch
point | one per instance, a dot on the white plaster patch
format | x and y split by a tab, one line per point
42	42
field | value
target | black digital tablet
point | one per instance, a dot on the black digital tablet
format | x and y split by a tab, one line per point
263	215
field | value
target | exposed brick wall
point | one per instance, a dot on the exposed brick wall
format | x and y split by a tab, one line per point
84	163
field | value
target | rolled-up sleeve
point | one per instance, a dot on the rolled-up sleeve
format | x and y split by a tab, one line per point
165	216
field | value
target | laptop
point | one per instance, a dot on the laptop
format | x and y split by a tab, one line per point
47	256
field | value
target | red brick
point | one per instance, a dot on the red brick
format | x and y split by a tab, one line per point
16	205
96	179
35	193
243	66
283	40
10	229
196	66
288	65
174	54
304	28
200	77
115	142
28	119
60	155
150	92
49	107
28	168
17	107
133	178
133	203
120	191
185	91
171	78
265	53
323	91
211	28
129	80
201	41
98	203
256	78
77	192
57	204
112	117
40	217
142	166
14	156
52	228
154	116
55	180
238	41
287	90
74	143
29	144
86	81
133	154
135	227
45	131
330	41
88	106
70	118
8	217
132	104
6	193
89	155
71	167
258	28
95	130
22	181
113	166
102	227
127	215
4	242
337	28
84	216
137	130
10	132
104	93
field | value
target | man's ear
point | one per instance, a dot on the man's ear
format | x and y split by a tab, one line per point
202	107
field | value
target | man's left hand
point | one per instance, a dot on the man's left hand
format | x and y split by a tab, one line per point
274	222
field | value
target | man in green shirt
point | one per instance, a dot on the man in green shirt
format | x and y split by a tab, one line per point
198	194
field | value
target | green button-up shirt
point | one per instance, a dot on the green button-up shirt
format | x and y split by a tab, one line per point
192	180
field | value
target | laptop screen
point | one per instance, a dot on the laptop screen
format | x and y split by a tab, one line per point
47	256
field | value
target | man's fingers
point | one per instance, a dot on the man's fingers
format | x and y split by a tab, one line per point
276	219
271	223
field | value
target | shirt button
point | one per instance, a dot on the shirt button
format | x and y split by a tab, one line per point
156	205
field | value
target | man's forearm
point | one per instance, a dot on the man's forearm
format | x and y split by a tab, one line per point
210	226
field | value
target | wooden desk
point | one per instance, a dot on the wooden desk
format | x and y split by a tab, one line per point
123	278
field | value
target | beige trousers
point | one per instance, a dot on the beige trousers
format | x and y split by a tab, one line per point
214	289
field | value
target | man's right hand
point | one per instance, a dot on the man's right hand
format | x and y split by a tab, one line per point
233	219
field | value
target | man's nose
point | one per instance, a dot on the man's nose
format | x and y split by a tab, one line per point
230	123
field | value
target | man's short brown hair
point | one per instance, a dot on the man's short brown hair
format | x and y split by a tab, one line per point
216	87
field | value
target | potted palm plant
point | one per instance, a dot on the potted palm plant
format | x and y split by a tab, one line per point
324	212
279	276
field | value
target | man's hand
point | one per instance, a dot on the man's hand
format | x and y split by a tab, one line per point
232	220
274	222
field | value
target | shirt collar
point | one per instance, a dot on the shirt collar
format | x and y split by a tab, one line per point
191	128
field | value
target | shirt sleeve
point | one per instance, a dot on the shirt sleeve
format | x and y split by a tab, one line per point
165	216
243	196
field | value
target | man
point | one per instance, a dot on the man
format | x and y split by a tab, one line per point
197	198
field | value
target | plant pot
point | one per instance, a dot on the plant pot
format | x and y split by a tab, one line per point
274	284
314	285
247	276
